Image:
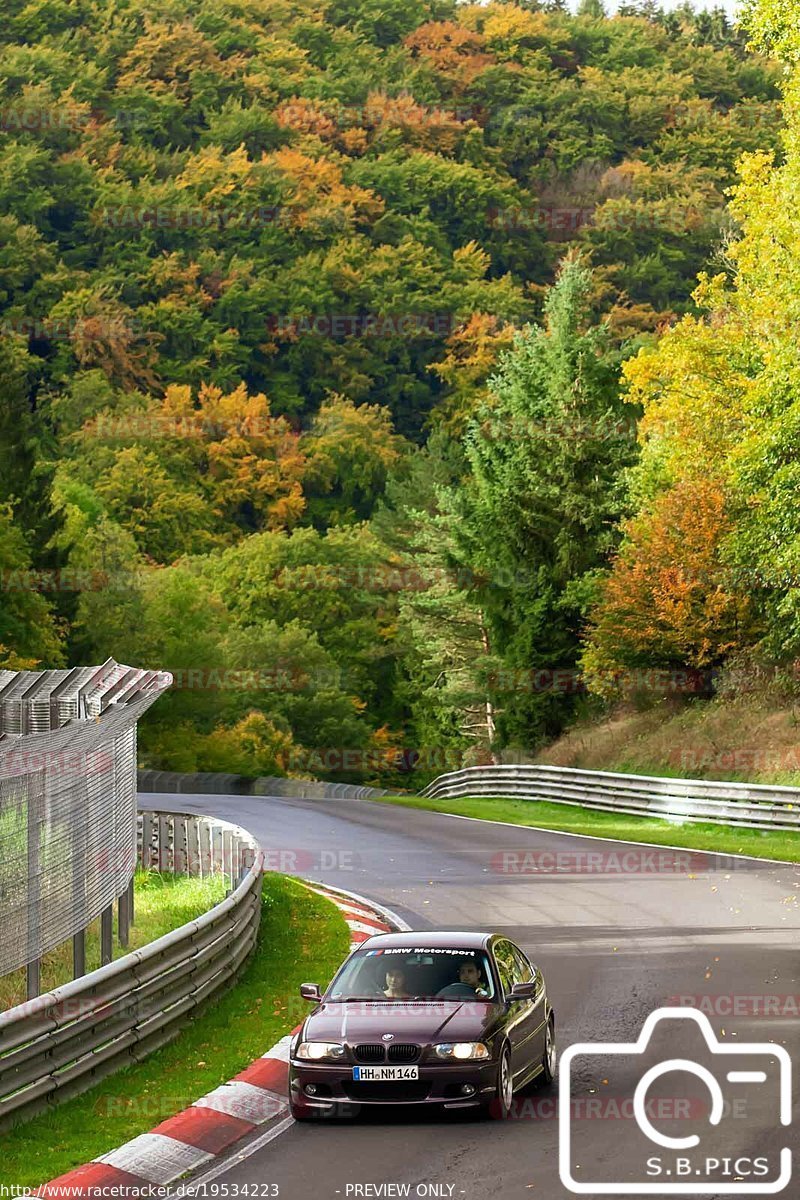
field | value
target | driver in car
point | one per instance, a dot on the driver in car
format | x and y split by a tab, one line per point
470	973
395	984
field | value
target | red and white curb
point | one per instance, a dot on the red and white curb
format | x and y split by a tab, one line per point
212	1125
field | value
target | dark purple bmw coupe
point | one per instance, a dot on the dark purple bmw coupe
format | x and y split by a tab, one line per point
433	1018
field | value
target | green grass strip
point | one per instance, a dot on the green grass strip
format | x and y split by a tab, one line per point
161	903
303	937
775	844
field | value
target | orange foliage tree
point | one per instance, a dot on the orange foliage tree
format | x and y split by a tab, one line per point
669	598
191	470
451	50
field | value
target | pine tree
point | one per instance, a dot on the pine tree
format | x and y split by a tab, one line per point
546	453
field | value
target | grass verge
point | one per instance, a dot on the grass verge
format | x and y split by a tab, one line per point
302	937
161	903
562	818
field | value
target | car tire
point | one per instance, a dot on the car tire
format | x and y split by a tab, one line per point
548	1071
499	1106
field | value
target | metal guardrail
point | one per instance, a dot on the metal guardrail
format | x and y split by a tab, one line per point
214	783
60	1044
754	805
314	789
185	844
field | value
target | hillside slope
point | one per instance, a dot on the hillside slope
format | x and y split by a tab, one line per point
756	739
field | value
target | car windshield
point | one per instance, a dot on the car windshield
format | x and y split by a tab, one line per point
414	972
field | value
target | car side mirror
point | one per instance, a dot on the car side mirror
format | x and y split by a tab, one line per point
523	991
310	991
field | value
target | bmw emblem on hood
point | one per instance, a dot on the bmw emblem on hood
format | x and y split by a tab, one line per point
387	1037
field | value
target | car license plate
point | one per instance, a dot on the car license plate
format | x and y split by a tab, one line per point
381	1074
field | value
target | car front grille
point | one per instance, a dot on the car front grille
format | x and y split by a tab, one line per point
403	1053
370	1052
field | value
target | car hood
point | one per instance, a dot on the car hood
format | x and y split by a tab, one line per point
435	1021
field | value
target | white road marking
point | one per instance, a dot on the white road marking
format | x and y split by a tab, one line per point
265	1138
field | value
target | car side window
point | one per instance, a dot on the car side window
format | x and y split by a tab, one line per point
524	972
506	966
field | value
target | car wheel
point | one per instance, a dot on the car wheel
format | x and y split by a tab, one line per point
548	1071
500	1105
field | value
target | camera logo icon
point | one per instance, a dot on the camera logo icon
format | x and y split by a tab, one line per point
703	1128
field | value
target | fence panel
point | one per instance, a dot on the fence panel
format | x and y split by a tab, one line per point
67	800
61	1043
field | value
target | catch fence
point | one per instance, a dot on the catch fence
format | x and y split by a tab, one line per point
67	806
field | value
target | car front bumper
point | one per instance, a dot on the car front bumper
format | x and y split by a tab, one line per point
438	1084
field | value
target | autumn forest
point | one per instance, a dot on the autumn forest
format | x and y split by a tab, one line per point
408	377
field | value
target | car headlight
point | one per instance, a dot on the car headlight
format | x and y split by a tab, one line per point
462	1051
318	1050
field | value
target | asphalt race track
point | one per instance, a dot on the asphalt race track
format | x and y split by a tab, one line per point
617	939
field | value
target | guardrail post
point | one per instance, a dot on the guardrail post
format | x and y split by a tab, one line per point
205	849
193	849
146	855
227	856
79	954
131	903
33	974
123	919
107	935
35	807
180	845
217	849
165	830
